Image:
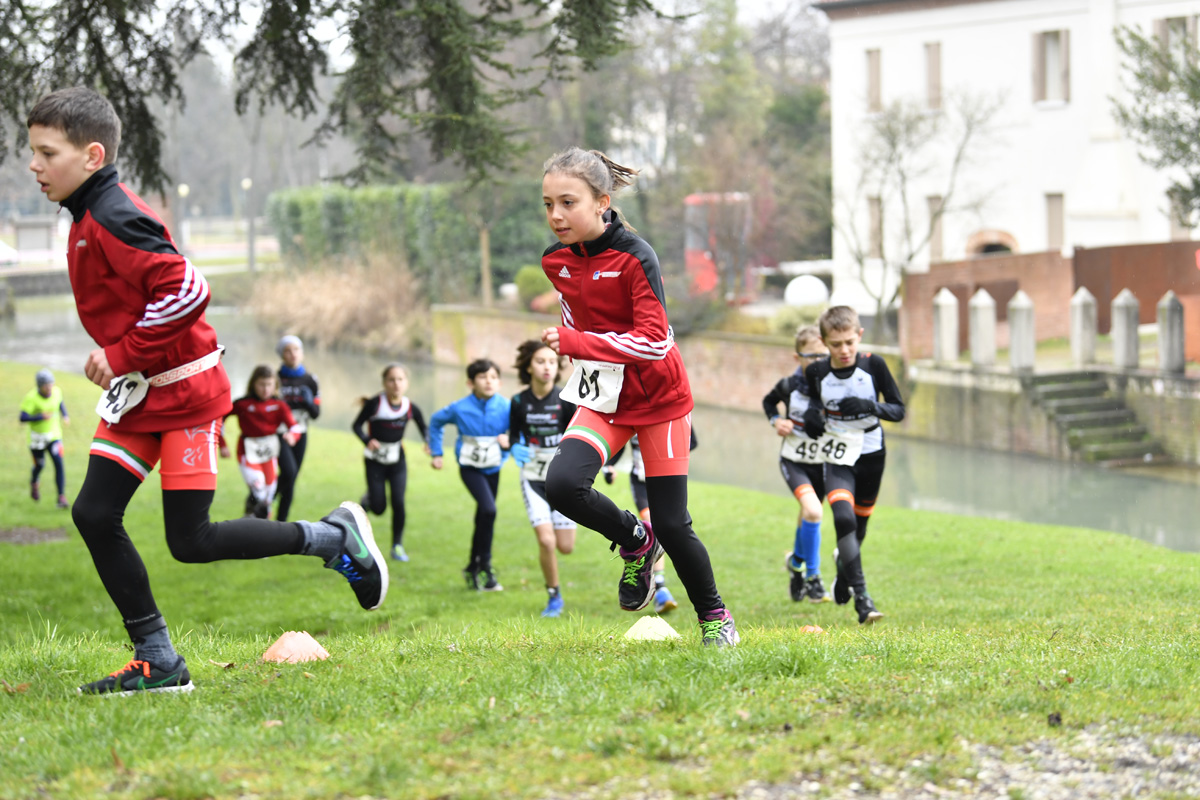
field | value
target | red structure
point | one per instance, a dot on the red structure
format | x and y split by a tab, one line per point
715	246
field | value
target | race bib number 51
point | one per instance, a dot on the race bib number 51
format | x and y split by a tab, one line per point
123	394
595	385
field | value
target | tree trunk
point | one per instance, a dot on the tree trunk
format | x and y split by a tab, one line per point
485	265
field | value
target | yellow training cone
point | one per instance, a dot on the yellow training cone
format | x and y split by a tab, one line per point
651	629
294	647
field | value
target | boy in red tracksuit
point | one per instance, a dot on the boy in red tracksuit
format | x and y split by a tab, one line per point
165	394
629	378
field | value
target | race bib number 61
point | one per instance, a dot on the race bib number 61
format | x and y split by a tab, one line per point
595	385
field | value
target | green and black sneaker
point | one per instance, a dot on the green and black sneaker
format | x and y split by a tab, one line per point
360	561
636	589
141	677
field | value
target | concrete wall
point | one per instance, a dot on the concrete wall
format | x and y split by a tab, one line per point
26	282
1169	407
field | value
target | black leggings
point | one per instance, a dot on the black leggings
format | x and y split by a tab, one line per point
850	517
483	487
379	478
569	489
99	513
291	456
60	473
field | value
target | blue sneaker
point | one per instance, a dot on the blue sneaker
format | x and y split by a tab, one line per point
398	553
663	602
554	607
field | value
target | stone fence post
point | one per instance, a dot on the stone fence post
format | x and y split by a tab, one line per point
1083	327
945	327
1170	334
1022	343
1125	330
981	328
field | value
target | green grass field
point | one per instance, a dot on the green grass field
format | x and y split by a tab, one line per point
991	626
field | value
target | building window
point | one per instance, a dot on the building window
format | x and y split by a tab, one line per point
875	221
1178	35
1054	222
933	75
935	228
874	90
1052	66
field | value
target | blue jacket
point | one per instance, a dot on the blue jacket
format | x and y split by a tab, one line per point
472	417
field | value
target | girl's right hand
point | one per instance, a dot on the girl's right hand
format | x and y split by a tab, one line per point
436	463
224	451
550	339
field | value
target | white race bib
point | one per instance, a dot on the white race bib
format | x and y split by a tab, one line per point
841	445
39	441
800	449
595	385
481	452
261	449
302	419
535	468
388	452
123	394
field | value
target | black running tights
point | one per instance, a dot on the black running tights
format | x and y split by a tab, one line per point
99	514
483	488
862	482
393	477
569	490
291	456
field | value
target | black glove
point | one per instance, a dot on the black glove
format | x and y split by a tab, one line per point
814	423
857	406
609	473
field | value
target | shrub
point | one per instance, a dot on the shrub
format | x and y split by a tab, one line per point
531	281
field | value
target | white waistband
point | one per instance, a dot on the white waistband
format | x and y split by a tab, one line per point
176	374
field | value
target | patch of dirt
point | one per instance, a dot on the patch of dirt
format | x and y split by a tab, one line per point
27	535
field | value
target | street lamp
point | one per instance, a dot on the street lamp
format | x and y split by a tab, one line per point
183	190
246	184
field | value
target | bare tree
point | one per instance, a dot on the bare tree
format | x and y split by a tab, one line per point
908	147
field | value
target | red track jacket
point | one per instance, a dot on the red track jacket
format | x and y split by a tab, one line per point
613	309
143	303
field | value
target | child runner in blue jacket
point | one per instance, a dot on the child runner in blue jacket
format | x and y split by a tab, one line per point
482	421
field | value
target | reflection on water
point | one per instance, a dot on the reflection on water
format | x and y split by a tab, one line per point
736	448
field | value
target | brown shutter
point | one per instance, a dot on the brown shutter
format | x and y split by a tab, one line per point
933	74
1039	67
875	221
874	90
935	228
1064	54
1162	31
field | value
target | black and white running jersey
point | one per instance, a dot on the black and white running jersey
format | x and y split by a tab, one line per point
868	378
792	390
384	422
541	421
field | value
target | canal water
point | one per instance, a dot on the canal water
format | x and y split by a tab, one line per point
736	448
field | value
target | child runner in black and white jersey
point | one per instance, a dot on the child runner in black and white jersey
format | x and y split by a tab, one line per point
537	419
802	465
381	424
847	388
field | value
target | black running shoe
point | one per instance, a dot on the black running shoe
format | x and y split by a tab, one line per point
141	677
636	589
841	589
867	613
814	590
717	629
360	560
262	510
795	578
471	576
487	577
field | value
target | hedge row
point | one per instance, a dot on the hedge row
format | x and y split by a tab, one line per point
431	228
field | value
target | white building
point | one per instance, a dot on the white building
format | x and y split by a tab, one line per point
1054	171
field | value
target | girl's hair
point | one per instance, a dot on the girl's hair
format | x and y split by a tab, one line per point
480	366
260	372
363	400
806	333
601	174
525	353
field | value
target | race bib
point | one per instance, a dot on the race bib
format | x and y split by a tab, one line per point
39	441
302	418
123	394
261	449
481	452
800	449
841	445
388	452
595	385
535	468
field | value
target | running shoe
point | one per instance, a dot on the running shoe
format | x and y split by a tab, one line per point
398	553
360	561
63	502
795	569
867	613
814	590
471	576
250	505
663	601
262	510
490	584
554	607
141	677
636	588
841	589
35	491
717	629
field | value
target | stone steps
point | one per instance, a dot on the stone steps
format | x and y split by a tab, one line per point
1098	426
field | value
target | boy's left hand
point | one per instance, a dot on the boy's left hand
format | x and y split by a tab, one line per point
97	369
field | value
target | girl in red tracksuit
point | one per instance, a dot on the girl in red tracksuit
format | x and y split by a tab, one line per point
629	378
260	414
